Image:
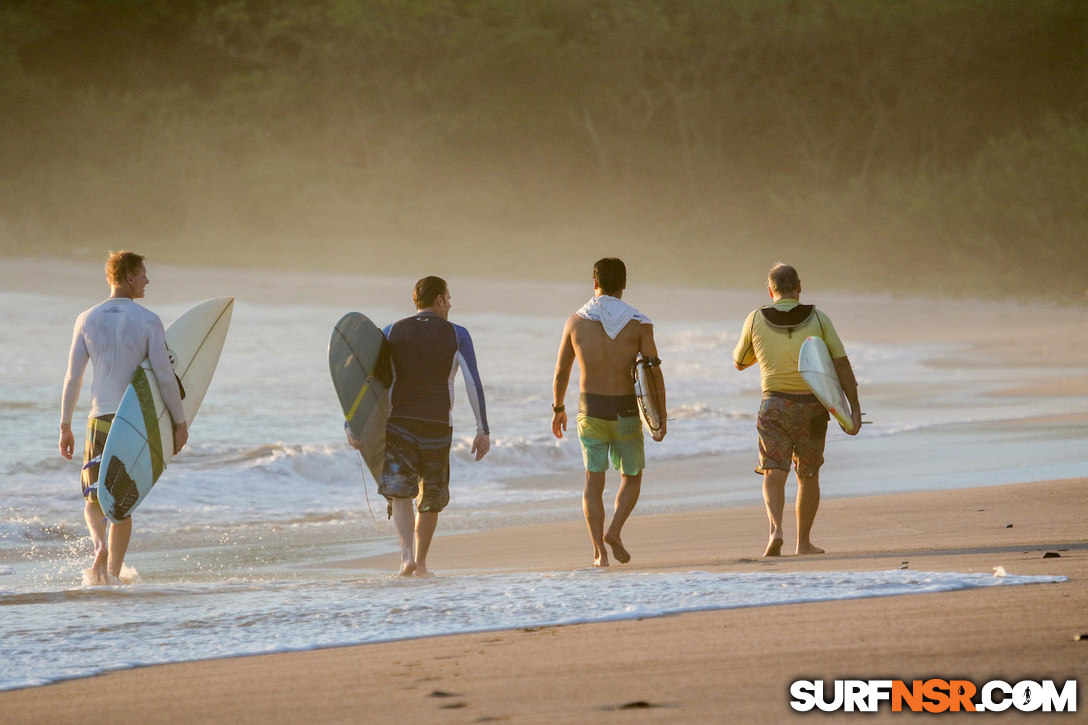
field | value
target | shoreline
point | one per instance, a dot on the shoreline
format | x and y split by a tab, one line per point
692	667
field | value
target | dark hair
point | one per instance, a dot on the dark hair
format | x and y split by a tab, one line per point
783	278
610	274
119	265
427	291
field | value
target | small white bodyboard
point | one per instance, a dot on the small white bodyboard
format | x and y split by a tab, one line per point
647	394
814	364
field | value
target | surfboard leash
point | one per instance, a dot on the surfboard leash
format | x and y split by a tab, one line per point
381	527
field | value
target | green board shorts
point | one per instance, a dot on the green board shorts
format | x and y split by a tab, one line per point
98	429
610	428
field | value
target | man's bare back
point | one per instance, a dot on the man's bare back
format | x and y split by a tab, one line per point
604	363
609	437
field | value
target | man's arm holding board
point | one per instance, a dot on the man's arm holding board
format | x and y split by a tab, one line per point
648	350
849	386
843	370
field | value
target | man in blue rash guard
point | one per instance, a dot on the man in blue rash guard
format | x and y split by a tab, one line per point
426	351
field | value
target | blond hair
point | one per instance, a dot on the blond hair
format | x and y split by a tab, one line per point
120	265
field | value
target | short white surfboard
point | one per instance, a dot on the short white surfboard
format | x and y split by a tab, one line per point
814	364
647	394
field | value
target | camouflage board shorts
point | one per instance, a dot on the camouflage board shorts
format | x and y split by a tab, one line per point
97	431
417	462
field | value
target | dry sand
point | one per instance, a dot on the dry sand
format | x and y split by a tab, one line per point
731	665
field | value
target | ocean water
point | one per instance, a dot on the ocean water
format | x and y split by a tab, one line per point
75	633
225	547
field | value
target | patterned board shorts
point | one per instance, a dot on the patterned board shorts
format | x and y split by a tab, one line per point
97	431
417	463
621	439
609	426
792	429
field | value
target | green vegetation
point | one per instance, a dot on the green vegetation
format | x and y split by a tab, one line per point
902	144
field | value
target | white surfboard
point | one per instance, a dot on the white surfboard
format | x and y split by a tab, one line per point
140	443
814	364
647	394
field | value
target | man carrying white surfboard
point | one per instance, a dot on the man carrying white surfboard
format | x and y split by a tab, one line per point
792	422
606	336
115	336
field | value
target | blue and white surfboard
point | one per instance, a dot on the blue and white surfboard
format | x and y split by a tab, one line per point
141	438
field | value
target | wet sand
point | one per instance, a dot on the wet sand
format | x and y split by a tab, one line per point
698	667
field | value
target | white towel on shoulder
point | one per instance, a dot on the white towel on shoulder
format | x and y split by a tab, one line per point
612	312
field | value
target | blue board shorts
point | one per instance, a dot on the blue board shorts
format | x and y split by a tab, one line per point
792	429
417	462
610	427
97	431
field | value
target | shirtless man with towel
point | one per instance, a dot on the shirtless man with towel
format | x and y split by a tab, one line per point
606	336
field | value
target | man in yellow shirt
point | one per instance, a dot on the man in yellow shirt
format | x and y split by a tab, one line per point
792	423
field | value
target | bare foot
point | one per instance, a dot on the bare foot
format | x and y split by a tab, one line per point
808	550
774	548
600	559
100	567
407	569
617	549
423	572
99	573
95	578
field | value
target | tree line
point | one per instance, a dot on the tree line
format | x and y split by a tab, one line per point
887	144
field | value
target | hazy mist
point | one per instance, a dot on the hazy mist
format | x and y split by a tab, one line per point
915	146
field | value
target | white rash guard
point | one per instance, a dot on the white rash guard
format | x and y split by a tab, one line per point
116	335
